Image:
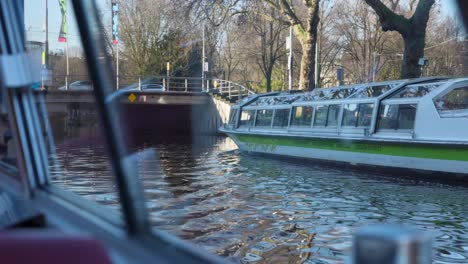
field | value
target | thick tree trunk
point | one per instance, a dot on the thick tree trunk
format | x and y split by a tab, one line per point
413	31
414	50
306	77
308	42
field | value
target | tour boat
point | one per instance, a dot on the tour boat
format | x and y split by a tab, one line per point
419	124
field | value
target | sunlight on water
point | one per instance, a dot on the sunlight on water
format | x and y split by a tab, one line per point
253	209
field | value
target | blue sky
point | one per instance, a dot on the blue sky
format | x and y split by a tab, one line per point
35	13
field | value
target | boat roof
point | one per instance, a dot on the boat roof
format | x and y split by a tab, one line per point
397	89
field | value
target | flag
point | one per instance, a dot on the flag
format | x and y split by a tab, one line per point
115	21
63	27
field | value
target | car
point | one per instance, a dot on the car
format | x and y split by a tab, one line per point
78	86
150	83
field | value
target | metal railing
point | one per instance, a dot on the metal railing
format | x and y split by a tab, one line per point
230	90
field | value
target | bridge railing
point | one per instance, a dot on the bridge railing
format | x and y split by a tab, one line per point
231	90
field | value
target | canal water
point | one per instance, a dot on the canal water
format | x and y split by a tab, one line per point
263	210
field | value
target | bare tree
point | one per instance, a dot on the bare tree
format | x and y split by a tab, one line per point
413	31
270	46
306	32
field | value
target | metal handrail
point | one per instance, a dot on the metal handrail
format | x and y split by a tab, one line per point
230	89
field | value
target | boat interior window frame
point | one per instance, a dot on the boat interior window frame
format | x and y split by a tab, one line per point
136	238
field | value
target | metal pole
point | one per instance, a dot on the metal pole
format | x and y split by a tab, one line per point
290	62
46	44
117	66
203	59
373	67
66	51
317	62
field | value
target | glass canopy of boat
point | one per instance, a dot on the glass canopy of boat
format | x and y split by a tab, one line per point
357	91
386	106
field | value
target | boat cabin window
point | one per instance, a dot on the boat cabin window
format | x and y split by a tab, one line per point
457	99
350	114
398	116
281	118
365	115
357	115
232	117
372	91
416	90
302	116
247	118
321	115
326	115
264	118
332	117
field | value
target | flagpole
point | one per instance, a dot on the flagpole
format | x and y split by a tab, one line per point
66	50
117	70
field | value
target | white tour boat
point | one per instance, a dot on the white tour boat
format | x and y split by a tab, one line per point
419	124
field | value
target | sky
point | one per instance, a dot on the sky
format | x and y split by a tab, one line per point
35	14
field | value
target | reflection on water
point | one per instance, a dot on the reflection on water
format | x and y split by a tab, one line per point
258	209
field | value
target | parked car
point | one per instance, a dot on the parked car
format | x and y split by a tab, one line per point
78	86
150	83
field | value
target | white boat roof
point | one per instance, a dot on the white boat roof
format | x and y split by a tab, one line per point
403	89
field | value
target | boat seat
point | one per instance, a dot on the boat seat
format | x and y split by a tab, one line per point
50	246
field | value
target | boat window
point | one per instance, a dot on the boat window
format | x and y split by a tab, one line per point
416	90
302	116
332	117
365	115
457	99
373	91
232	117
281	118
247	118
350	114
321	115
400	116
264	118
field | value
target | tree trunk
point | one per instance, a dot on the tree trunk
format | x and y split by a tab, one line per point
414	50
268	82
306	77
308	43
413	31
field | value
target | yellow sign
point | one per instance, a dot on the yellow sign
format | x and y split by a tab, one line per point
215	84
168	66
132	97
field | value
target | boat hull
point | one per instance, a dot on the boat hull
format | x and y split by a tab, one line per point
418	156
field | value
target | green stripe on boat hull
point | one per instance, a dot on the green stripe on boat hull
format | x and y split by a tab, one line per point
264	143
